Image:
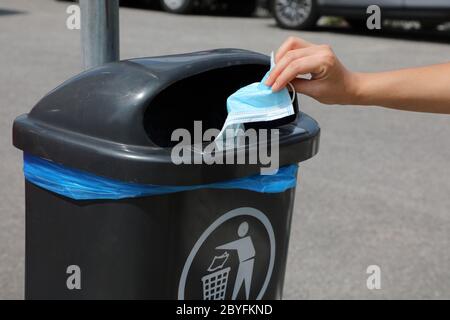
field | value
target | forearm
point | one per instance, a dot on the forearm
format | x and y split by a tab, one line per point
424	89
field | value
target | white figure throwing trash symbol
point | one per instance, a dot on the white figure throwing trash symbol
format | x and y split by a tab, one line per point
246	254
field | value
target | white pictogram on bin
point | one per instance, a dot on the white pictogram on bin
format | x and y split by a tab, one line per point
215	283
246	253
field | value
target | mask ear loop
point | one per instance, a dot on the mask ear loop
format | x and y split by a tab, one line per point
294	94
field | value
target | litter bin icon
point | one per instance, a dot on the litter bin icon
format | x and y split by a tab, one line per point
215	283
109	215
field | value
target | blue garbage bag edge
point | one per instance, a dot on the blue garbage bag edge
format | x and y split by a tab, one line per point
81	185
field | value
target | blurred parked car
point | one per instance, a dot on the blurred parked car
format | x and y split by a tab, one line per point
304	14
238	7
235	7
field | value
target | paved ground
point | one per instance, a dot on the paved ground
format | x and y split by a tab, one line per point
378	192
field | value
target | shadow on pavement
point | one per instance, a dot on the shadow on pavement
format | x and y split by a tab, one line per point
393	33
8	12
387	32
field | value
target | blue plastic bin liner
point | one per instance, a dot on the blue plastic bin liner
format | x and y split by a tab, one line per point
80	185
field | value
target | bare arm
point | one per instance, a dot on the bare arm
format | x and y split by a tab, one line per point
424	89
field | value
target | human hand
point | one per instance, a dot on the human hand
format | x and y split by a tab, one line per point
330	81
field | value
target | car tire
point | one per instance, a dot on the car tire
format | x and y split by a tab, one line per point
177	6
242	8
295	14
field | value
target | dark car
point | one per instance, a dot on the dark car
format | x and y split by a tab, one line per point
304	14
238	7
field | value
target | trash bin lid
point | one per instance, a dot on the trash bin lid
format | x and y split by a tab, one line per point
114	120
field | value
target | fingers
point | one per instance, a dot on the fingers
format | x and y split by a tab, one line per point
288	58
291	43
310	64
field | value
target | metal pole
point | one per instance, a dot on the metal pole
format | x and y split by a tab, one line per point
99	32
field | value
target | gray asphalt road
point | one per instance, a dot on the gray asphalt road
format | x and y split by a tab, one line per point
377	193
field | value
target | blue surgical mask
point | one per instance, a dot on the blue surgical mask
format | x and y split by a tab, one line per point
255	103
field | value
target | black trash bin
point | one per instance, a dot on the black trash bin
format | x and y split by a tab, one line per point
114	123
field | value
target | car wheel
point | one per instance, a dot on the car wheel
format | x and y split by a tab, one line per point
242	8
295	14
177	6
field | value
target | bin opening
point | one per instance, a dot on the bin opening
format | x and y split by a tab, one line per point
202	97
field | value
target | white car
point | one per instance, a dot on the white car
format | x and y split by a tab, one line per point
303	14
